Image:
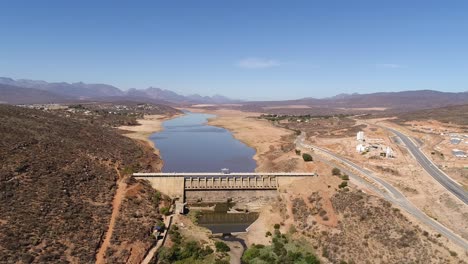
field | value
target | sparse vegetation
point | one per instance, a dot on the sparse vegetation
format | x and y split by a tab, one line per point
221	246
194	216
343	184
165	211
307	157
72	168
336	172
183	251
282	250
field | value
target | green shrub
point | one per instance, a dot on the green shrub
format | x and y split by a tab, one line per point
175	236
250	254
311	259
336	172
277	226
307	157
165	211
221	247
345	177
268	233
298	152
156	198
343	184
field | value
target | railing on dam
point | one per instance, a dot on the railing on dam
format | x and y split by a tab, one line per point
222	181
230	174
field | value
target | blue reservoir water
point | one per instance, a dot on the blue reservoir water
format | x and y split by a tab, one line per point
187	144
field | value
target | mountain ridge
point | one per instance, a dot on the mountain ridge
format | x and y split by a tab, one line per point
82	91
59	92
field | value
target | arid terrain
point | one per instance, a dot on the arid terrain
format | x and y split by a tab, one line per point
58	184
343	207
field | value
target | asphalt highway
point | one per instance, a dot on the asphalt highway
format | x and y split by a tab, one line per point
385	189
431	168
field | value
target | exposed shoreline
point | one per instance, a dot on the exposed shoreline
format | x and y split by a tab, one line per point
257	134
149	125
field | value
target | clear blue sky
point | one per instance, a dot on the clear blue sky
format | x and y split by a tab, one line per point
242	49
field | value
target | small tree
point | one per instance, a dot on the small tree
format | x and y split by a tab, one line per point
221	246
277	226
336	172
307	157
345	177
343	184
298	152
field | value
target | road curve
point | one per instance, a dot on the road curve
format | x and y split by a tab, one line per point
389	193
431	168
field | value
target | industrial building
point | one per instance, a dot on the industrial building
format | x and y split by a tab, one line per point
459	153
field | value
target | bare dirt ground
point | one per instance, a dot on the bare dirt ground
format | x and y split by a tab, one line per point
119	195
270	141
403	172
436	142
147	126
275	152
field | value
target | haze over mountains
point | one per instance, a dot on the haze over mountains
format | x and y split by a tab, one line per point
59	92
24	91
405	100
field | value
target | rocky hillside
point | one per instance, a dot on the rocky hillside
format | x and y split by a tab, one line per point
457	114
57	182
345	225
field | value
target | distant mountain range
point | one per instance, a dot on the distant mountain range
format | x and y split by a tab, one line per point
24	91
392	101
42	91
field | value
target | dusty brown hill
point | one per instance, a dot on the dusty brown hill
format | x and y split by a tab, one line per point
356	103
345	225
360	228
140	210
19	95
57	181
457	114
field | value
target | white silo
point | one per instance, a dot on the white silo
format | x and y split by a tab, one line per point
360	136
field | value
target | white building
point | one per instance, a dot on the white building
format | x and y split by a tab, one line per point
360	136
360	148
389	152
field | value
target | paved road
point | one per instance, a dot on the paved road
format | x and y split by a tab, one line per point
385	189
431	168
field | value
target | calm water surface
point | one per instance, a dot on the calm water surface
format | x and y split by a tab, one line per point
187	144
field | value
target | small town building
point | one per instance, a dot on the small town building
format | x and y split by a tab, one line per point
459	153
361	148
360	136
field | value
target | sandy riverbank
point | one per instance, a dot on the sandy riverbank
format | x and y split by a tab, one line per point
148	125
266	139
